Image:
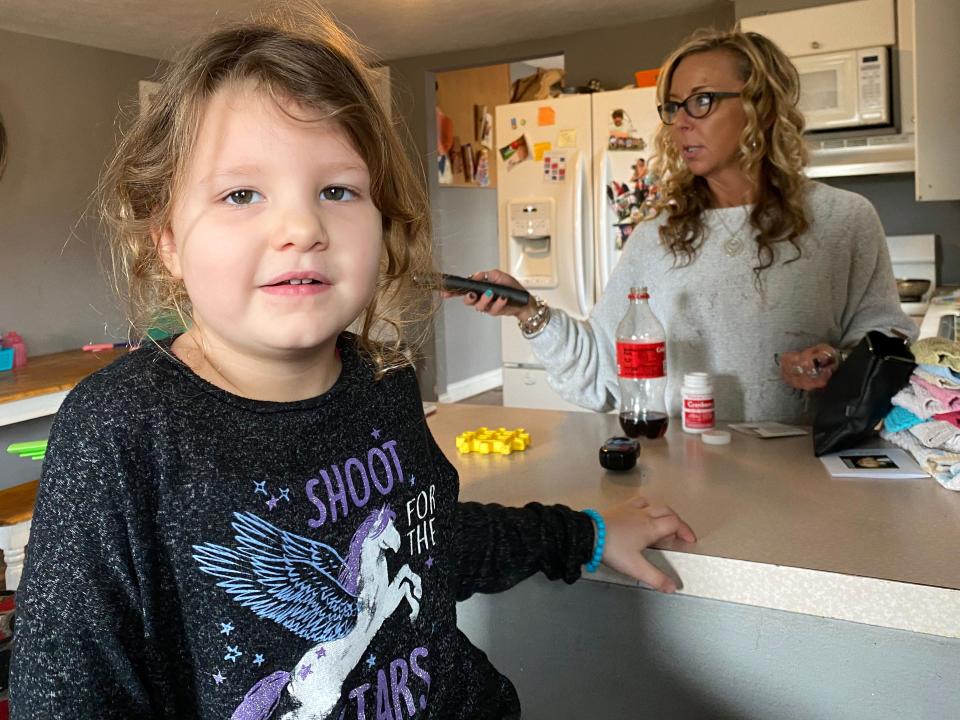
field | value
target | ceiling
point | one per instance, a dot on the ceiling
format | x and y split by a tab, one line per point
392	28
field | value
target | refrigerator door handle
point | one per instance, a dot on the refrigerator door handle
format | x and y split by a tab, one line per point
602	238
579	255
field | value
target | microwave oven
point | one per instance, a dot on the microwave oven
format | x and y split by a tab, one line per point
849	89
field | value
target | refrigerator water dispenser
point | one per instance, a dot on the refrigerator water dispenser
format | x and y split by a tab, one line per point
531	254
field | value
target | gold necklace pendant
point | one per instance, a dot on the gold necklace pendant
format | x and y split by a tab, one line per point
733	245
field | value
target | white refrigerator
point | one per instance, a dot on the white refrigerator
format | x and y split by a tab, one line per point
572	181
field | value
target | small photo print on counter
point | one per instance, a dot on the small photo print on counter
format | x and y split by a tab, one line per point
868	462
873	463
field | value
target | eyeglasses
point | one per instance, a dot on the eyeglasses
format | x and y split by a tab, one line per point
697	105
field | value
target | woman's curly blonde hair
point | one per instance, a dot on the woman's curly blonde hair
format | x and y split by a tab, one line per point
772	150
295	54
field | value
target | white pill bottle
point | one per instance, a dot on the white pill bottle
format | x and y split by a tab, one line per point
697	396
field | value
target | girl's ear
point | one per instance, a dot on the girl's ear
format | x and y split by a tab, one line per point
167	249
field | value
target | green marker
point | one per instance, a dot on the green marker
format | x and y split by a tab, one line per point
32	450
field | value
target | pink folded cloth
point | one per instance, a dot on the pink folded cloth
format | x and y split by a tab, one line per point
951	417
949	399
919	401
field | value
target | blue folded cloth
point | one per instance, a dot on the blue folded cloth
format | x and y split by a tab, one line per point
900	419
940	371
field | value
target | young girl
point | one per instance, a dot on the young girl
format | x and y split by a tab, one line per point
231	524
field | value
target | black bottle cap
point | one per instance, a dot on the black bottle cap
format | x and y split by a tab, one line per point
619	453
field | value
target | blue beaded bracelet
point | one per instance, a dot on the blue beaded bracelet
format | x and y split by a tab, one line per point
601	539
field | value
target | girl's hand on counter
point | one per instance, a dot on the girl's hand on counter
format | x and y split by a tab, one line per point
809	369
498	306
634	526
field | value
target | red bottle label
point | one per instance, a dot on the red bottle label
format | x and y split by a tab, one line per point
640	361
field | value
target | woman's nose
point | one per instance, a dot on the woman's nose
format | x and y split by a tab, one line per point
683	120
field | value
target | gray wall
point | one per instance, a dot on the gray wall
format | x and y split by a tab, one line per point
893	197
466	344
59	102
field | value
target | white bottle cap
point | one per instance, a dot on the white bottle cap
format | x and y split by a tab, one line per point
697	381
716	437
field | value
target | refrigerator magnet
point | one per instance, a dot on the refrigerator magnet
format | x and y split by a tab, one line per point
555	167
482	173
567	139
623	135
515	152
546	116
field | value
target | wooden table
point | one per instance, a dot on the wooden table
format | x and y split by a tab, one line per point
35	391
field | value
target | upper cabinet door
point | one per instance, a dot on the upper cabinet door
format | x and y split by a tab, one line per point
936	99
828	28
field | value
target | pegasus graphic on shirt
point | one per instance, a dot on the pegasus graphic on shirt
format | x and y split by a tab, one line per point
308	588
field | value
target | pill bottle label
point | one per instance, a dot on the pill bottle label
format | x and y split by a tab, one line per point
698	413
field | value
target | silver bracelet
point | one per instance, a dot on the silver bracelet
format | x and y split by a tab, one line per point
534	325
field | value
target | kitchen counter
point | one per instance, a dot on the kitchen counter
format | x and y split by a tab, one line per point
775	530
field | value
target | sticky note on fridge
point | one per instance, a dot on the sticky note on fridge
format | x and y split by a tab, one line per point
546	116
567	138
539	149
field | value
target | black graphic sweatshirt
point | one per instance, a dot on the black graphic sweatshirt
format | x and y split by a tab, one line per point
195	554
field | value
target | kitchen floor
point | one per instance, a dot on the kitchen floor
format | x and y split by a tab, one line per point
491	397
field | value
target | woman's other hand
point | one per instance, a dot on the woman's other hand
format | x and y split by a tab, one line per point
634	526
488	303
809	369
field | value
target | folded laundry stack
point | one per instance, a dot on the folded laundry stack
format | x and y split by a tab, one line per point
925	419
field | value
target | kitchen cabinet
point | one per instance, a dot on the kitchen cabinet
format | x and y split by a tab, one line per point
926	64
936	102
828	28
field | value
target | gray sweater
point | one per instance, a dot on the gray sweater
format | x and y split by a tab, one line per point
718	321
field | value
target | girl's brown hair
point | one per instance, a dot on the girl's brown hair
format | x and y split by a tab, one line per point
297	54
772	150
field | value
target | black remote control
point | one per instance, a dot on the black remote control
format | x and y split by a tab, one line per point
462	285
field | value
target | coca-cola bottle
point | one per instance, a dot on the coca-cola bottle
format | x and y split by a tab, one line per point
641	369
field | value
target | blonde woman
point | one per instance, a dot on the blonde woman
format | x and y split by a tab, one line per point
758	275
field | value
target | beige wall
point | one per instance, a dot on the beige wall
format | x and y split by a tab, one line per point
59	103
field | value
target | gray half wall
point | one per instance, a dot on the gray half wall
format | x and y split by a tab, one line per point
597	650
